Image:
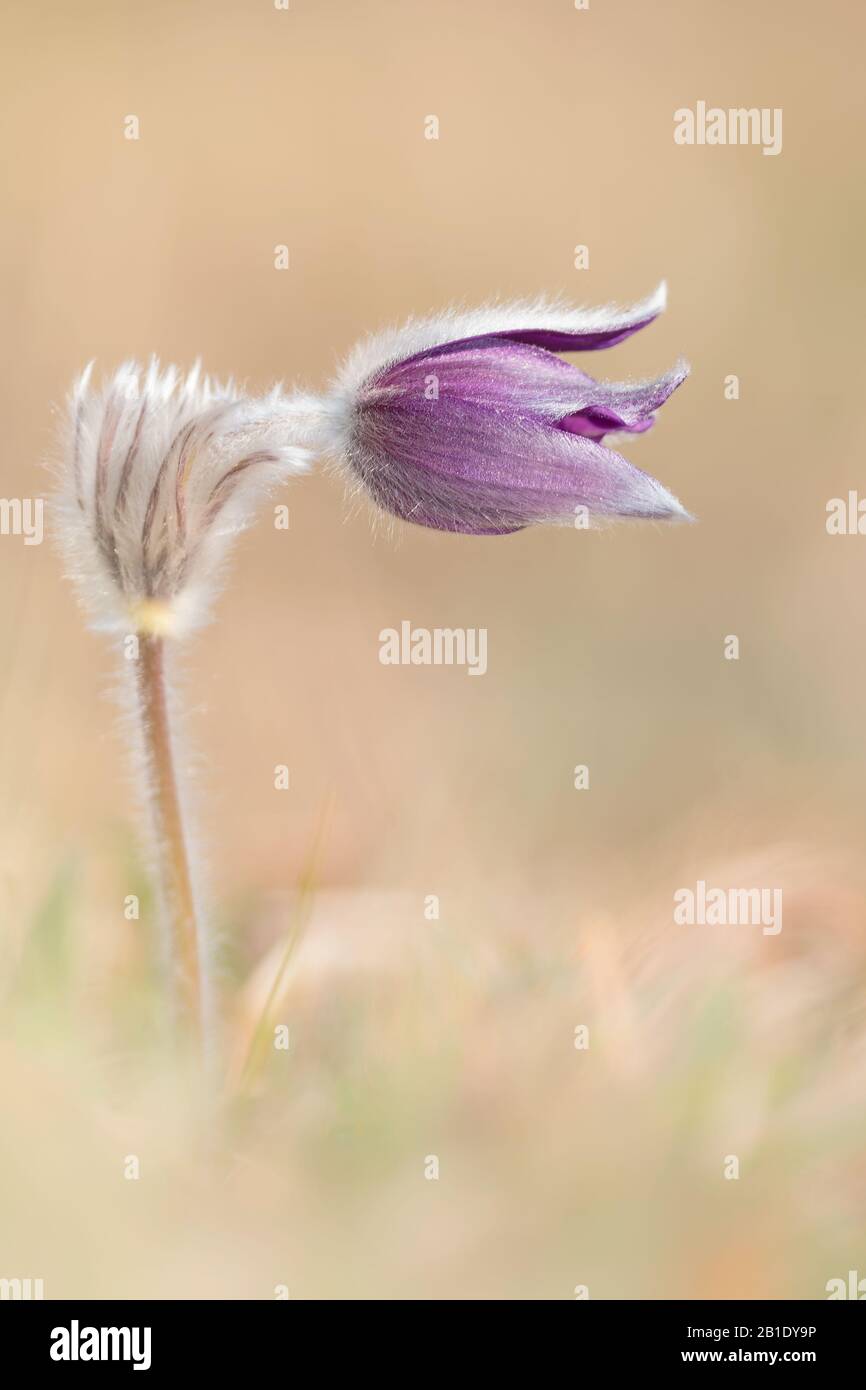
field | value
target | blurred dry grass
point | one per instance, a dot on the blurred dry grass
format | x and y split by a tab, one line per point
455	1038
410	1038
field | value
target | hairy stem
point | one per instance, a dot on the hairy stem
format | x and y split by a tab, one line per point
172	854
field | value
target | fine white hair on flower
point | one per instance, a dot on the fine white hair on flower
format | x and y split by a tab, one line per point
160	471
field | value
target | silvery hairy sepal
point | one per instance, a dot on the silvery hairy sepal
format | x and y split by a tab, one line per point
470	422
161	471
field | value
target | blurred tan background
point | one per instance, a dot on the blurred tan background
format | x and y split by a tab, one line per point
306	128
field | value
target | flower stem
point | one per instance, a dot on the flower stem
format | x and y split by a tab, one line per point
172	856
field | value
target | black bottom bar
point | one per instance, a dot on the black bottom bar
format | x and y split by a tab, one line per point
68	1338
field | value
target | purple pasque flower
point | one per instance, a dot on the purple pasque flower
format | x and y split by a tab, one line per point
470	422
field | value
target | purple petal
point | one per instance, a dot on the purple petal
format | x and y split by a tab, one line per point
564	330
578	341
595	424
469	461
527	382
628	406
